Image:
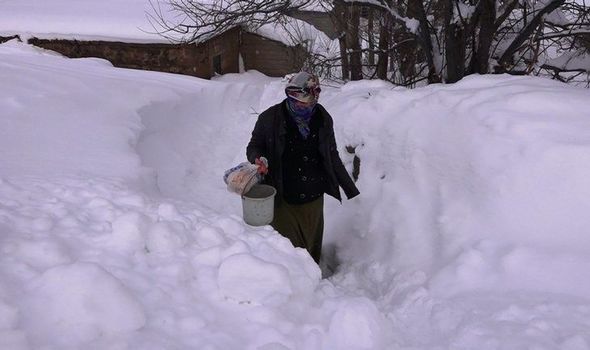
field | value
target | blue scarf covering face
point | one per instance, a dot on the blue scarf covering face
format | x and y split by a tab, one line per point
301	113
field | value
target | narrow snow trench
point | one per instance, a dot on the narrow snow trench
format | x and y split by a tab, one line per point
187	145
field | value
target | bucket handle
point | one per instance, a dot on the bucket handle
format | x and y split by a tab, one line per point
249	179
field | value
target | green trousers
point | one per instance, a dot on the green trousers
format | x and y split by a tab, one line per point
303	224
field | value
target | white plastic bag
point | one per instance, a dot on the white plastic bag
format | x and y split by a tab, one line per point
242	177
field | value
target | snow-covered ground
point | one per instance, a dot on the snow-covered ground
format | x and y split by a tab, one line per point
117	231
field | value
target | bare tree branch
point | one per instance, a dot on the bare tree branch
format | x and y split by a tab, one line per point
527	31
189	21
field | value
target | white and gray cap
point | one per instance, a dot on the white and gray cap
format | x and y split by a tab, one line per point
303	87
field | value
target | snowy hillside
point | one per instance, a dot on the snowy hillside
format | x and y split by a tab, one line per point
117	232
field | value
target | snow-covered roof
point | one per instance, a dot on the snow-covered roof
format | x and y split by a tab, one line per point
293	31
111	20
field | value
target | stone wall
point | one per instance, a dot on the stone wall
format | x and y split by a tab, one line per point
183	59
218	55
4	39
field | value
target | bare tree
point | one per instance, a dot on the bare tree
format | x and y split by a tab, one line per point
190	21
567	37
409	41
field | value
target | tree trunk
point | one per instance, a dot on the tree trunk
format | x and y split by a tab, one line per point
353	43
339	16
383	56
454	45
455	52
371	37
416	10
406	47
344	58
487	30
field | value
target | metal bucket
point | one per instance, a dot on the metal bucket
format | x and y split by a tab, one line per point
258	205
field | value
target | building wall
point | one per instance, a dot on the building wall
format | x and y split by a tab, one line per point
218	55
270	57
226	46
183	59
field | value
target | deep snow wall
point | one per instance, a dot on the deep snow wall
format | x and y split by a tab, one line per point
446	170
492	166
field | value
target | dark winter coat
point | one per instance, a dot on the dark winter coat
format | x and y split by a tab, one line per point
269	140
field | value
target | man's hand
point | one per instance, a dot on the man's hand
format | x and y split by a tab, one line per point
262	164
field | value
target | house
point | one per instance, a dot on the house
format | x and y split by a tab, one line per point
233	51
76	31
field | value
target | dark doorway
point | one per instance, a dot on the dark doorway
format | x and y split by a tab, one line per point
217	64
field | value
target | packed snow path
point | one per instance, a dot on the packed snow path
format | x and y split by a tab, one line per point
118	233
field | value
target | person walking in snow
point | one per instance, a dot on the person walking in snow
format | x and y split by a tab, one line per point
294	145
